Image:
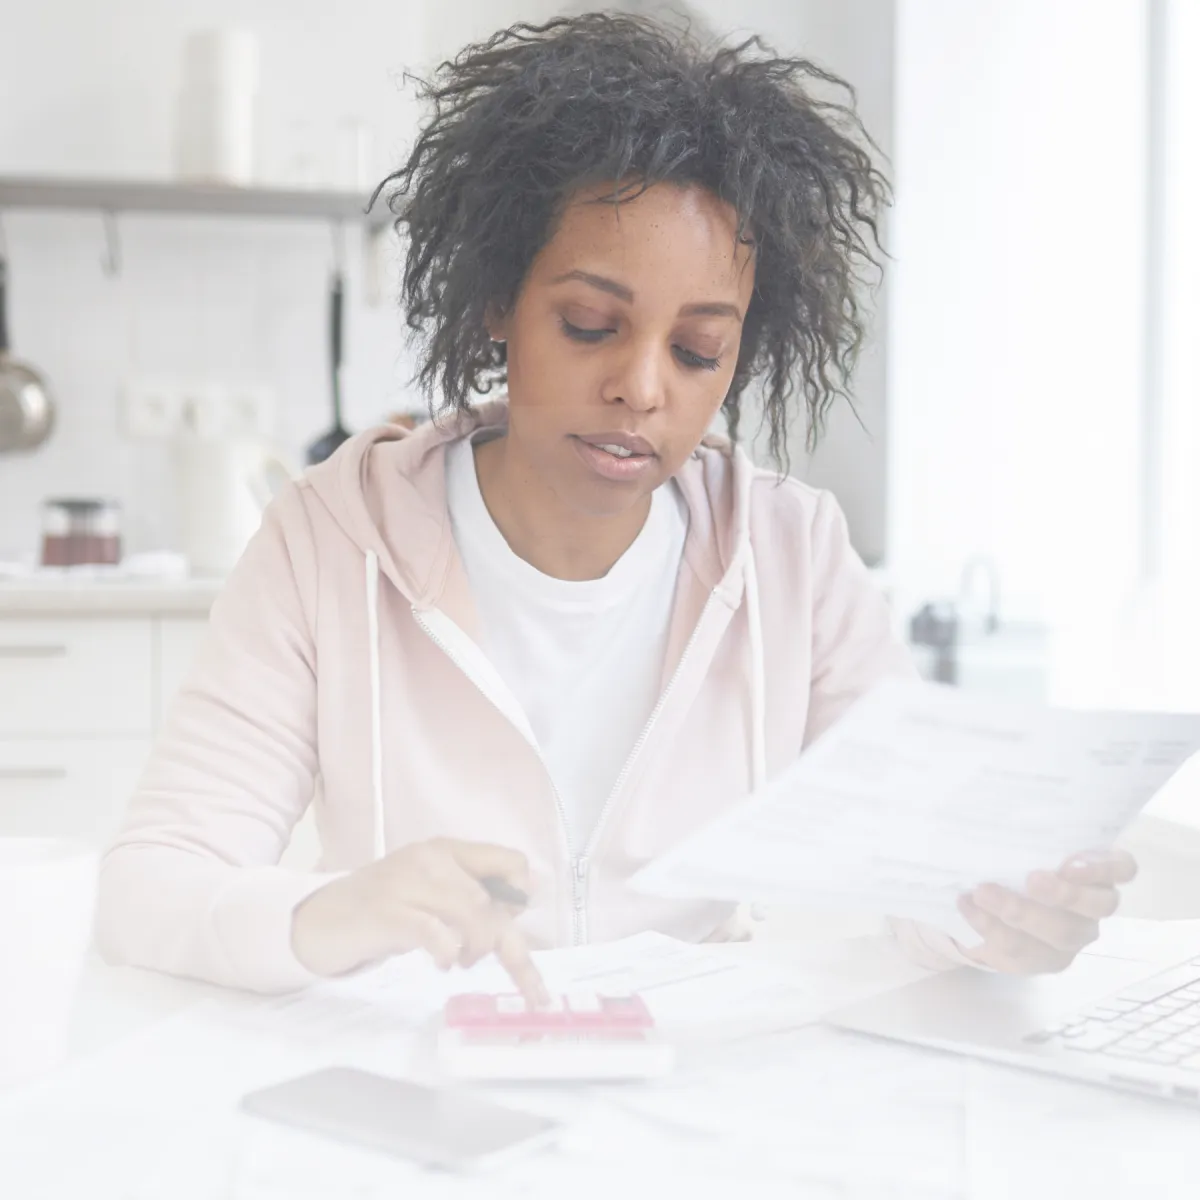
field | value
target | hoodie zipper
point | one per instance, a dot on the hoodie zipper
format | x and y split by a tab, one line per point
580	865
583	862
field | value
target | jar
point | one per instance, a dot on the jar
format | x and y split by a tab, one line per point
75	532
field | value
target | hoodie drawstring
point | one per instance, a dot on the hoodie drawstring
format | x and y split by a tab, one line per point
758	750
758	699
379	832
744	561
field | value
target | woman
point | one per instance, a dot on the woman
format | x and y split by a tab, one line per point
542	639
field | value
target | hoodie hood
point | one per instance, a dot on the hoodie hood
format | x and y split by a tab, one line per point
386	490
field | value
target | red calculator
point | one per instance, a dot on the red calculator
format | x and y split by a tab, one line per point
579	1036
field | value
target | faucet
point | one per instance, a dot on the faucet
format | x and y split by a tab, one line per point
935	626
939	626
971	568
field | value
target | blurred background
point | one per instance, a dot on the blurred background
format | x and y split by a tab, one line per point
1022	478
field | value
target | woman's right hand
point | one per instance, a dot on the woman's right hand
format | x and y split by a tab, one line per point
424	896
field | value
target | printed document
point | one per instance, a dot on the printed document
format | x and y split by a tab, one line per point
920	793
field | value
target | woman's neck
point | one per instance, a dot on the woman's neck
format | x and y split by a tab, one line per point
540	529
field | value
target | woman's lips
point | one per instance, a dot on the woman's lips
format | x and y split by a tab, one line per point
615	437
616	467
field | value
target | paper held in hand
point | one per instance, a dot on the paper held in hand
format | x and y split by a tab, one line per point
920	793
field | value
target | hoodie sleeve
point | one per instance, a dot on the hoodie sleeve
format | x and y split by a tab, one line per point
192	884
855	646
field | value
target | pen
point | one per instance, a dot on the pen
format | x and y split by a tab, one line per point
503	891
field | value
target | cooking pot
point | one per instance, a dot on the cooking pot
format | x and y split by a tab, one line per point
26	409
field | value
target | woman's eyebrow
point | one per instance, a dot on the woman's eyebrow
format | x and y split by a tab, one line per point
708	308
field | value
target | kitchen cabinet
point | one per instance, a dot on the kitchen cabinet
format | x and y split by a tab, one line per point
81	697
68	787
62	677
87	676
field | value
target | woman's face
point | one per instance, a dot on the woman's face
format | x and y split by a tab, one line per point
625	334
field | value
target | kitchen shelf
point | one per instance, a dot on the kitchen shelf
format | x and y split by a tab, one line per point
137	196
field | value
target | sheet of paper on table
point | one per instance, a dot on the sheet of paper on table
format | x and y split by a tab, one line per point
858	1110
157	1115
920	793
694	991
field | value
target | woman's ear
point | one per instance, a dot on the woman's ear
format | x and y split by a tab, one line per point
495	323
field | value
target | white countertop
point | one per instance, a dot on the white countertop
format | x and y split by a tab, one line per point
39	596
144	1108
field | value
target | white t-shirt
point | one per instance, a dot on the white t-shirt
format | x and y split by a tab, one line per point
583	658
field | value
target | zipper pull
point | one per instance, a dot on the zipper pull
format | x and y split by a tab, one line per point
581	872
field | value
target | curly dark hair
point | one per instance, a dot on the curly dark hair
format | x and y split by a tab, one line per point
524	119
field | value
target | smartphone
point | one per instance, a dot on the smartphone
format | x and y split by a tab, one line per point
435	1127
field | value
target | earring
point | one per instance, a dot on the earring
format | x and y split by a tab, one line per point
498	341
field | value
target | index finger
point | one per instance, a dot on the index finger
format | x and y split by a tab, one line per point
481	859
1100	867
513	953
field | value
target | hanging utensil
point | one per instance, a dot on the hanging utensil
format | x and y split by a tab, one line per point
26	407
328	442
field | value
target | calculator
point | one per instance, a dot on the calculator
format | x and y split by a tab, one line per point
580	1036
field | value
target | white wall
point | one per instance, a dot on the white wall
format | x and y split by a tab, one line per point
88	89
1172	659
1016	341
856	39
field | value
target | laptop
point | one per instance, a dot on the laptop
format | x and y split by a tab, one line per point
1109	1021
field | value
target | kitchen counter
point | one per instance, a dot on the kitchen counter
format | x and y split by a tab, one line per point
34	596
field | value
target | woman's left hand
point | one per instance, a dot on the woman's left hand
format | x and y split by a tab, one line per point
1044	928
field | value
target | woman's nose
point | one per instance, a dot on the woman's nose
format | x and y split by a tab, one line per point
640	382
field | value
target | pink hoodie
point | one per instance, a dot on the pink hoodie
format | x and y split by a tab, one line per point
339	669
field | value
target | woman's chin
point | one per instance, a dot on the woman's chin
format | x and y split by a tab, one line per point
599	502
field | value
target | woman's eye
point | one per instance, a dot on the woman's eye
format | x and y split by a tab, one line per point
688	357
698	360
582	335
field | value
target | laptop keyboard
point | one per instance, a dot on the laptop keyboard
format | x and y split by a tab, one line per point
1156	1020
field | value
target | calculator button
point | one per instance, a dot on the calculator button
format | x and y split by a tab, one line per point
584	1002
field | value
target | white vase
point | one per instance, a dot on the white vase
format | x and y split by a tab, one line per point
217	110
224	483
